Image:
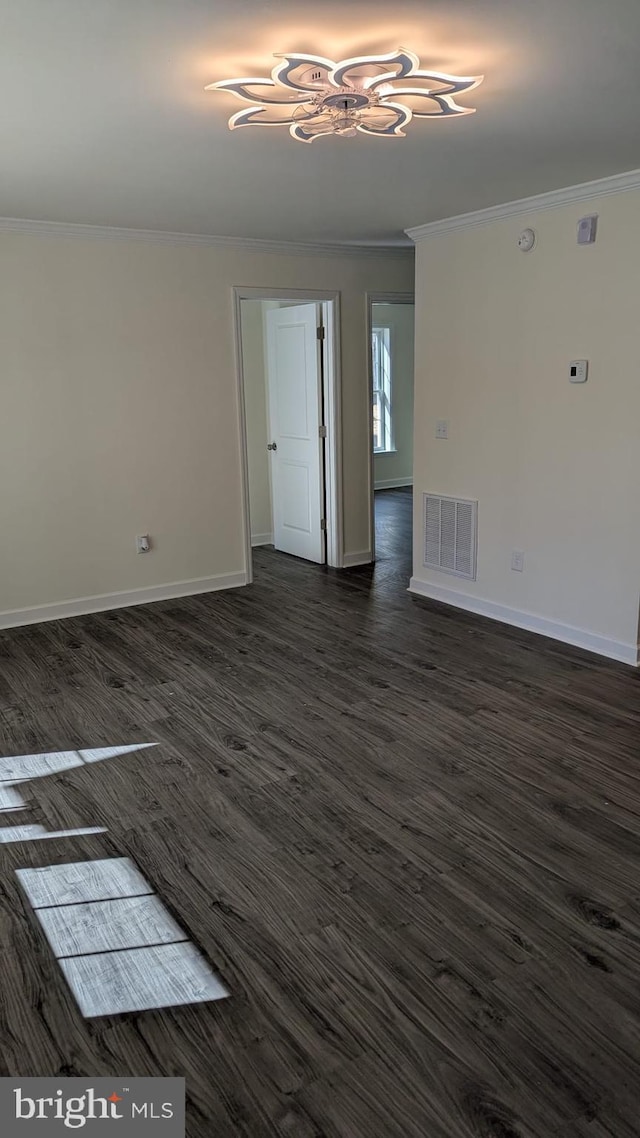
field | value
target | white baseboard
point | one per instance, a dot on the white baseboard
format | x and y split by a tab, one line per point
579	637
104	601
351	559
390	483
261	539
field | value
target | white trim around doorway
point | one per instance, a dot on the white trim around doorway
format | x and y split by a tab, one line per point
371	299
333	411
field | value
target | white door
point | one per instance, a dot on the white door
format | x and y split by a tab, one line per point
294	380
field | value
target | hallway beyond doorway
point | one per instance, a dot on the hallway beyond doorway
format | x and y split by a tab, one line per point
394	525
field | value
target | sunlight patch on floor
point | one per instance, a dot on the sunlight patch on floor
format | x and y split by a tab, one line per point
16	769
117	945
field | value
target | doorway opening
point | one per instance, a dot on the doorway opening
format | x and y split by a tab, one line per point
391	369
289	399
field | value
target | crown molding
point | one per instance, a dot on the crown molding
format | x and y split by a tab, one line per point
162	237
586	191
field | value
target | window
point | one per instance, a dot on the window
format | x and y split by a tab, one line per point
381	369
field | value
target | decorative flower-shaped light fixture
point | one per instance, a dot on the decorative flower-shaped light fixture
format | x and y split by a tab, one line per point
376	94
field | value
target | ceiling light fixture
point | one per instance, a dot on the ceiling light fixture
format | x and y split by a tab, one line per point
374	94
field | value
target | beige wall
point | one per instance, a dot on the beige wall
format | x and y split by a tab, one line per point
553	465
119	410
396	468
255	400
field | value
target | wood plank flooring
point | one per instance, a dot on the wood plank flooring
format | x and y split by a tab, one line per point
405	838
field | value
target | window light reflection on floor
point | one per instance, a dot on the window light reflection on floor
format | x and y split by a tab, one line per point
117	945
17	769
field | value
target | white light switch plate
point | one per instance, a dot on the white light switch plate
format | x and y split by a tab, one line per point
442	428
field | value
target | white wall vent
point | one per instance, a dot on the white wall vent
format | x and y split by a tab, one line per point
450	527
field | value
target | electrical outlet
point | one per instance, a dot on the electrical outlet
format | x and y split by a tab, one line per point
517	560
143	543
442	428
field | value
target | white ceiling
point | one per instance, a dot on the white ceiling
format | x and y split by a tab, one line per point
105	121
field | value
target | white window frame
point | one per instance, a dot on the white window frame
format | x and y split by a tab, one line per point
382	386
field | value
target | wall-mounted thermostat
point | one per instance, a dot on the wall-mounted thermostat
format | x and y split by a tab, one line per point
587	227
578	371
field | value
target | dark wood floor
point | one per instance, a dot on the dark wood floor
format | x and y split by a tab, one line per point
405	837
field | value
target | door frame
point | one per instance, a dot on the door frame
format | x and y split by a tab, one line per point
371	299
332	379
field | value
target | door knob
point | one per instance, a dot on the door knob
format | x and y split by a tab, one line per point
272	446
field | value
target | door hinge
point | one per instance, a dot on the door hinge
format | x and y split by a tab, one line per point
322	431
323	523
320	333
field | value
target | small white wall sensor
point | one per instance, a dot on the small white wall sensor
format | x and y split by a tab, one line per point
587	227
527	240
